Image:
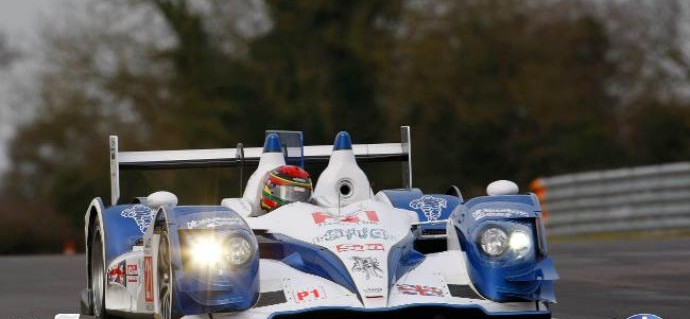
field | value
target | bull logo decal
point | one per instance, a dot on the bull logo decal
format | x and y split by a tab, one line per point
141	214
371	267
431	206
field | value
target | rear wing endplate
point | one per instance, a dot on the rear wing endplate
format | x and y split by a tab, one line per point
240	156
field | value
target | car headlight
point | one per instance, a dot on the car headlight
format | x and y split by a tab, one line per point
520	242
240	251
494	241
206	251
216	249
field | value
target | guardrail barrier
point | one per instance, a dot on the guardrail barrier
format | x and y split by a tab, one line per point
639	198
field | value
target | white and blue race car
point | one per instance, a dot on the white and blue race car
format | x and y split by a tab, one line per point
348	252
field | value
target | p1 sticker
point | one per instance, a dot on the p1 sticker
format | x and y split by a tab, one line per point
310	294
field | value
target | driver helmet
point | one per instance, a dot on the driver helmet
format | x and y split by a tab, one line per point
284	185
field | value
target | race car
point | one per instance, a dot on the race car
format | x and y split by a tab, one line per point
345	252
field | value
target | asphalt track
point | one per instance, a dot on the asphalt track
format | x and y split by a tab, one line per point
616	279
612	279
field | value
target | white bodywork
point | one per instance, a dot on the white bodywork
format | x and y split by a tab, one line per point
502	187
342	182
374	227
252	192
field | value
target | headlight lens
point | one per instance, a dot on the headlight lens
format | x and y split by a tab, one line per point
215	249
520	241
494	241
240	251
206	251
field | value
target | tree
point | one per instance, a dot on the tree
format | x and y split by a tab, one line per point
157	80
321	65
58	157
500	89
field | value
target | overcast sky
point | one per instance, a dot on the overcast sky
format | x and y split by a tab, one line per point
21	15
20	21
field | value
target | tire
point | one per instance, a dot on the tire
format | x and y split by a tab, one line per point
166	291
97	273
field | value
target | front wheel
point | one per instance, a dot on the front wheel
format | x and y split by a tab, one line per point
97	270
165	280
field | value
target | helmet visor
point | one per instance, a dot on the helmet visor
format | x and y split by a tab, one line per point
292	193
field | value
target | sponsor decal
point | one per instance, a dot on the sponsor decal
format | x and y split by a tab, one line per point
362	217
141	214
369	266
373	290
644	316
305	295
350	233
148	279
431	206
132	273
116	274
214	222
498	212
419	290
359	247
132	269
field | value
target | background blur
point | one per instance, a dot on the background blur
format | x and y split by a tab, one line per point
492	90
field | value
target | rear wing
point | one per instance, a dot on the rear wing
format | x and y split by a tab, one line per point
239	156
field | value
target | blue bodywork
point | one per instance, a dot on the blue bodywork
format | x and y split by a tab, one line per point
319	261
272	144
342	141
290	143
124	227
313	259
508	277
431	208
